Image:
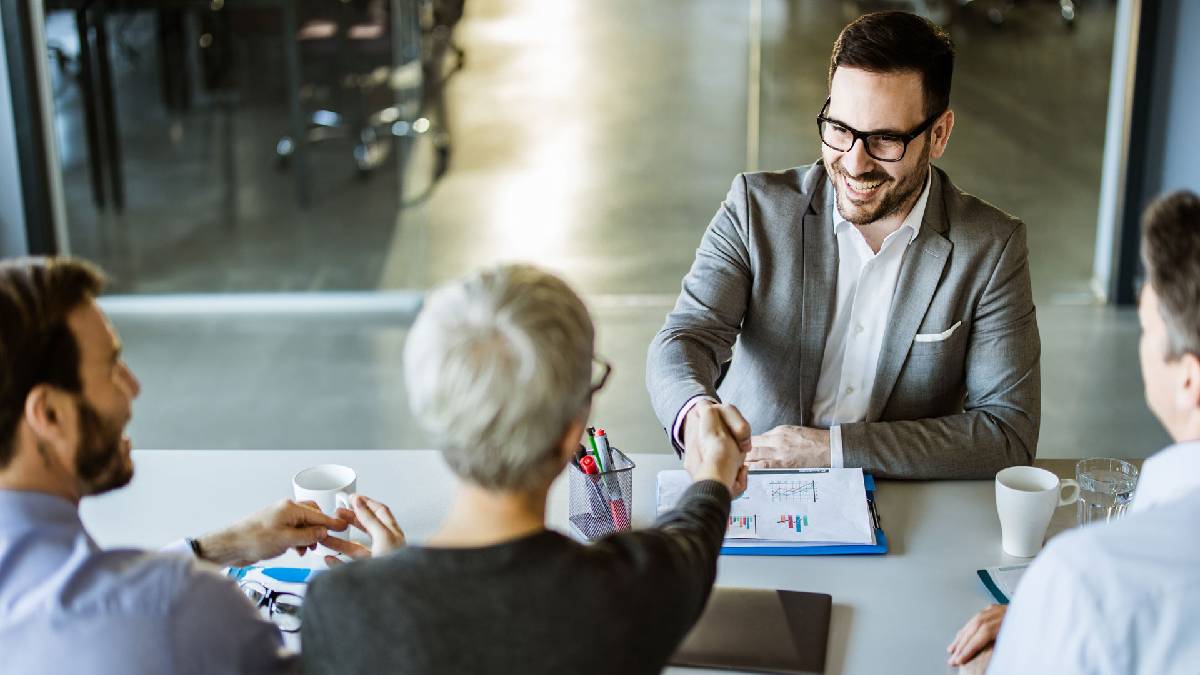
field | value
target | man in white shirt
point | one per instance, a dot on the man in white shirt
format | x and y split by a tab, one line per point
1124	597
883	318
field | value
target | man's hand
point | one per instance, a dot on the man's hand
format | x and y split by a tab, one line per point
732	419
978	633
713	442
372	517
790	447
268	533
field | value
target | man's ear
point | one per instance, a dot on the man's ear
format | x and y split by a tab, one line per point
47	414
1189	391
940	136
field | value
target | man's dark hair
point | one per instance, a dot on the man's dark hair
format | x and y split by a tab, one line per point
1171	253
36	344
888	42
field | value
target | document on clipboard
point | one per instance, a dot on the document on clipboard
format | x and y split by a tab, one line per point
790	508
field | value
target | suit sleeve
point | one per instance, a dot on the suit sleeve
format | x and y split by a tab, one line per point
686	355
999	424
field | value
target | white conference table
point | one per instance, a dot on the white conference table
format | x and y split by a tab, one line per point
891	614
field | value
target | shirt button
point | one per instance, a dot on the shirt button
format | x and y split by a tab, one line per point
858	328
849	390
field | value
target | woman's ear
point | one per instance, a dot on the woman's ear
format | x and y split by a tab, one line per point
572	437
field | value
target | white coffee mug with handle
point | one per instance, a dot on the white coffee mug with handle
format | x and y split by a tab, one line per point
329	485
1026	497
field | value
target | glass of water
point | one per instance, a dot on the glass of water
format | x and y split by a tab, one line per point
1105	488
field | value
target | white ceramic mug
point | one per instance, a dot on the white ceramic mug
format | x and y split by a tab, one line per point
329	485
1025	500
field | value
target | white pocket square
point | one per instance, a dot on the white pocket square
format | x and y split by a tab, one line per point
937	337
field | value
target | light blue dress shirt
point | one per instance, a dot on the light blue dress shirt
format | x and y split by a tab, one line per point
68	606
1120	597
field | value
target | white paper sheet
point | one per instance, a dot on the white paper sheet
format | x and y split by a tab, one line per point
790	505
1005	579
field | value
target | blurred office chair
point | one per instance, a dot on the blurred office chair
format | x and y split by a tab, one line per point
998	11
375	66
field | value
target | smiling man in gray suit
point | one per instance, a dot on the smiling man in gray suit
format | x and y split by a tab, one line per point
882	317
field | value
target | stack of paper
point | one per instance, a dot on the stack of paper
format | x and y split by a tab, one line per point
789	507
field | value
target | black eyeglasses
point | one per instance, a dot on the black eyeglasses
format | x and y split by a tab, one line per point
281	607
601	369
885	147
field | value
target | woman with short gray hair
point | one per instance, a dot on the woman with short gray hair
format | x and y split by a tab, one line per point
499	369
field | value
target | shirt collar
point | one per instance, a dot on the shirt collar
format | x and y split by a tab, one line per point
23	508
1168	476
912	221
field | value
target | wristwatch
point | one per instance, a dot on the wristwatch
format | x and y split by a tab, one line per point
194	544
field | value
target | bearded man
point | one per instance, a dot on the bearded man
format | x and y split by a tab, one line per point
882	317
66	604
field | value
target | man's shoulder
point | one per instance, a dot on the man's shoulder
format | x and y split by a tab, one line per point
148	579
125	581
971	218
794	183
1140	555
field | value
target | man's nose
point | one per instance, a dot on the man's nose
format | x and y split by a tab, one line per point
131	381
856	161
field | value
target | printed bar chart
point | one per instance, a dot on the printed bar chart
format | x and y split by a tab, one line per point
741	525
794	522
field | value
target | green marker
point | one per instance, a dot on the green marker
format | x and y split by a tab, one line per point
591	431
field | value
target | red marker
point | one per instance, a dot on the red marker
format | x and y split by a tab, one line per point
588	464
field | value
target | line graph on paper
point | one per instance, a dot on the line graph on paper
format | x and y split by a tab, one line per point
792	491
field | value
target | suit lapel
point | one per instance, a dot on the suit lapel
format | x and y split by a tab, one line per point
818	296
920	270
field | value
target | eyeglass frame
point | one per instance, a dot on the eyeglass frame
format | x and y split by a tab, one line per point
597	386
857	135
269	598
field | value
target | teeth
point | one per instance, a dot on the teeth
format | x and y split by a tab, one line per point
862	187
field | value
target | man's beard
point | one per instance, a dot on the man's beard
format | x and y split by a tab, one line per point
100	464
902	195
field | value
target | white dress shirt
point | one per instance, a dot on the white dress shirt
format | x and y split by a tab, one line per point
866	283
1121	597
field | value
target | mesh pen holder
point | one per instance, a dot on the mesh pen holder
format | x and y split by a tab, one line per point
602	504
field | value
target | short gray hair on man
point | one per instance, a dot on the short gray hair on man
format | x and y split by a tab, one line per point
497	366
1171	254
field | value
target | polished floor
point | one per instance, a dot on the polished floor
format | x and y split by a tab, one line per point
593	138
232	381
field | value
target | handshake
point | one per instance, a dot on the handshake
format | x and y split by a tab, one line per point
716	439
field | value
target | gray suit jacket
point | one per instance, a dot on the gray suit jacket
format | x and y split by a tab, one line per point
765	277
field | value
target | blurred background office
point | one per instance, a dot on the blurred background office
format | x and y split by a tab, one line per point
273	183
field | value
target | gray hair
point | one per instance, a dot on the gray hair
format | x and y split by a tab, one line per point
497	366
1171	254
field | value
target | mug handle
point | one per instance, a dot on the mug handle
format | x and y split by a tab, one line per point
342	500
1068	483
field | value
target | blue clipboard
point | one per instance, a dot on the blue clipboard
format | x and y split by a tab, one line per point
878	548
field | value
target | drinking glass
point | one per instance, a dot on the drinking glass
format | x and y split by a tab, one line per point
1105	488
